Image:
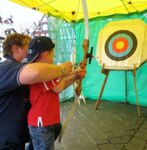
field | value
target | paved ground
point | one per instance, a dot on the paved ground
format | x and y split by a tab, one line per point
114	126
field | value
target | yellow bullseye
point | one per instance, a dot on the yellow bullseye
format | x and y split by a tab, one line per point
119	45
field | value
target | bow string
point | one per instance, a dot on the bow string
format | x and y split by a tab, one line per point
82	65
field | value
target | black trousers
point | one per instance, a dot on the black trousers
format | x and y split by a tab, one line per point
13	147
29	146
57	130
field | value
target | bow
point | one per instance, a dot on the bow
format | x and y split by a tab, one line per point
83	64
86	55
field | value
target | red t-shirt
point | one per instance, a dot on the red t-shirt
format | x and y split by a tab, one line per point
45	104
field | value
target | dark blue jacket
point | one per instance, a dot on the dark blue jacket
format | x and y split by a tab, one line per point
13	105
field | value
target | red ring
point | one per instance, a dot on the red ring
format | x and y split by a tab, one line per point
124	48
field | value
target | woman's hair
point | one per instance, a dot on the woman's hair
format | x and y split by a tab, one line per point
14	39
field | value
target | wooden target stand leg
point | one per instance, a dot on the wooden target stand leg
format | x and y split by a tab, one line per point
106	72
126	87
136	92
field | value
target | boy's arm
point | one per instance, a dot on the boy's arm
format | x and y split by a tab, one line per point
68	80
42	72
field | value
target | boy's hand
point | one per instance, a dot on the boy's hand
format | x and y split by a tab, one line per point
80	73
66	68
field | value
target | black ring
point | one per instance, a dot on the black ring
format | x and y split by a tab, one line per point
130	53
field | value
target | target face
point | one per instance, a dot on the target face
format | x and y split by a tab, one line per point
121	45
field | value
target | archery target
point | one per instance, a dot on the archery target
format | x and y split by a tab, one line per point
120	44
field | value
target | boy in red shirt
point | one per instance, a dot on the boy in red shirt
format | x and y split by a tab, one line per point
44	115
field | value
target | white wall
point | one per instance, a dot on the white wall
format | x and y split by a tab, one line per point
23	17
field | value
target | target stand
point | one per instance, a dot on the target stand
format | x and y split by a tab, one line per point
122	46
106	72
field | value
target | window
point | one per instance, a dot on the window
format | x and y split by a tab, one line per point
1	44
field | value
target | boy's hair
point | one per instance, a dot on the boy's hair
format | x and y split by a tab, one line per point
14	39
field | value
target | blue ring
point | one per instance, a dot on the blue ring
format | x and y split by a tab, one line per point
126	52
132	45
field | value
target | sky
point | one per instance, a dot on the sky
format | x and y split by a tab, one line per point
23	17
